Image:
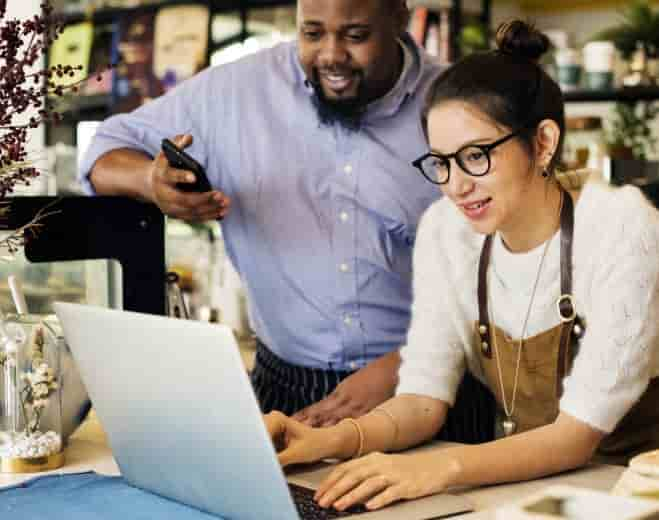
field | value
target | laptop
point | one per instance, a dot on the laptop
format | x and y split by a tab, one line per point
183	422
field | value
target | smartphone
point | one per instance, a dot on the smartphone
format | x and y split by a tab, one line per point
179	159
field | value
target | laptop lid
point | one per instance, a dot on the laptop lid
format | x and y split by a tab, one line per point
182	419
179	411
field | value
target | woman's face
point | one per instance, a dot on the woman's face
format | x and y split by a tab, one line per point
498	200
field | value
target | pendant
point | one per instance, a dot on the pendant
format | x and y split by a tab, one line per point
509	426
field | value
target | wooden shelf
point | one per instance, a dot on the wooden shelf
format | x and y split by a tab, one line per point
77	107
613	95
106	15
110	14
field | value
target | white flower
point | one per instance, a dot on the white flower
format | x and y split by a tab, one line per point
39	403
40	390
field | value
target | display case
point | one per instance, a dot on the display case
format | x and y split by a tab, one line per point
106	251
31	436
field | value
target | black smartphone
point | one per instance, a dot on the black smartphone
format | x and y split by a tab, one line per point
179	159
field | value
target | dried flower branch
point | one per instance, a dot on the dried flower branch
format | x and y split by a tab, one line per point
23	90
13	242
28	97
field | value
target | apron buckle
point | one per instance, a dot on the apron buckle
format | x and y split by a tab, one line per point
563	300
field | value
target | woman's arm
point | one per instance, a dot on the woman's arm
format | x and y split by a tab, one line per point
403	421
565	444
399	423
379	480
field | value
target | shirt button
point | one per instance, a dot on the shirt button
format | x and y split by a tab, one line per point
347	168
347	320
343	216
344	268
352	365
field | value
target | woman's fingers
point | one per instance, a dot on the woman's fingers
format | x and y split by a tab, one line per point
334	476
347	482
275	423
389	495
361	494
296	443
376	480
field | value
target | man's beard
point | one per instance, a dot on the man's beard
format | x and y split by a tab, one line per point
346	112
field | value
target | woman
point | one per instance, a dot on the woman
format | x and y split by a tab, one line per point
508	253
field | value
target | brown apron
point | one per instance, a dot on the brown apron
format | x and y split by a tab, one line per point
546	359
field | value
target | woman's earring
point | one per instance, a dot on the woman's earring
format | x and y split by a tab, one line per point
545	168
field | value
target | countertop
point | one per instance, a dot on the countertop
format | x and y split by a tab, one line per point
88	450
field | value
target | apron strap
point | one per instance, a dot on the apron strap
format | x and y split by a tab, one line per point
483	313
565	303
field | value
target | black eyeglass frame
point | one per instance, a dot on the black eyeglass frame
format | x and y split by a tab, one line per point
485	148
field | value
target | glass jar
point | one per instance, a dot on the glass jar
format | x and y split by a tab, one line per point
584	143
30	396
568	68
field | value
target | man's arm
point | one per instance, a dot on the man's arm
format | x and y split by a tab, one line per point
122	172
134	174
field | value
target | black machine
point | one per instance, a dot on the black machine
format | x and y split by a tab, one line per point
92	228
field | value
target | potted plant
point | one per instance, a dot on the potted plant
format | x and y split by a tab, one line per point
640	24
629	134
473	38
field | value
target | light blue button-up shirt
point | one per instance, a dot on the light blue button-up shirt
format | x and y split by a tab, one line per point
322	221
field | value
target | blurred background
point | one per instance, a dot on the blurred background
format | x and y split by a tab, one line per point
604	54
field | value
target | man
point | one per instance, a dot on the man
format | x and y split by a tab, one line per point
308	148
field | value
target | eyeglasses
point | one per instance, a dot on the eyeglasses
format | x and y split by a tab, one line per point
474	159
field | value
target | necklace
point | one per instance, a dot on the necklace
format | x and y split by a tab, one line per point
509	424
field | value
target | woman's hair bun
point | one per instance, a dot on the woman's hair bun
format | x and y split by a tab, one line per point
522	40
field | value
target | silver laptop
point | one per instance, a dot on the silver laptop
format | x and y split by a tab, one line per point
182	419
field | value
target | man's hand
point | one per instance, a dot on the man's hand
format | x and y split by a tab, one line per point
357	394
196	207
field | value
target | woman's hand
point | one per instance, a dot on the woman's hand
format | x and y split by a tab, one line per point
297	443
377	480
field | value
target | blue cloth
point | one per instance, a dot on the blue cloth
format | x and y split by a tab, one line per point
323	221
89	496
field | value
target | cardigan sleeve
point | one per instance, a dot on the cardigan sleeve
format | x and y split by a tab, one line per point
618	354
433	360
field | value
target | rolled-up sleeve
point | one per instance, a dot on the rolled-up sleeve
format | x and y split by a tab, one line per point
180	111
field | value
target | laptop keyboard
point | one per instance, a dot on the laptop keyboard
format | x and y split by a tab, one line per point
310	510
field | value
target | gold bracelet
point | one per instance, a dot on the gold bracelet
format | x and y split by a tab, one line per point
393	421
360	433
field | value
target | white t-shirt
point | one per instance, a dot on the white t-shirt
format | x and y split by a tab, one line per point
615	285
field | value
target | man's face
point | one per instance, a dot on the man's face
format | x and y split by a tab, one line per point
348	48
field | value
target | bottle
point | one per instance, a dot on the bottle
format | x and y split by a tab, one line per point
584	143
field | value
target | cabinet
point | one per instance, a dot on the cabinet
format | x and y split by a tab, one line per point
641	173
440	26
96	107
627	94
